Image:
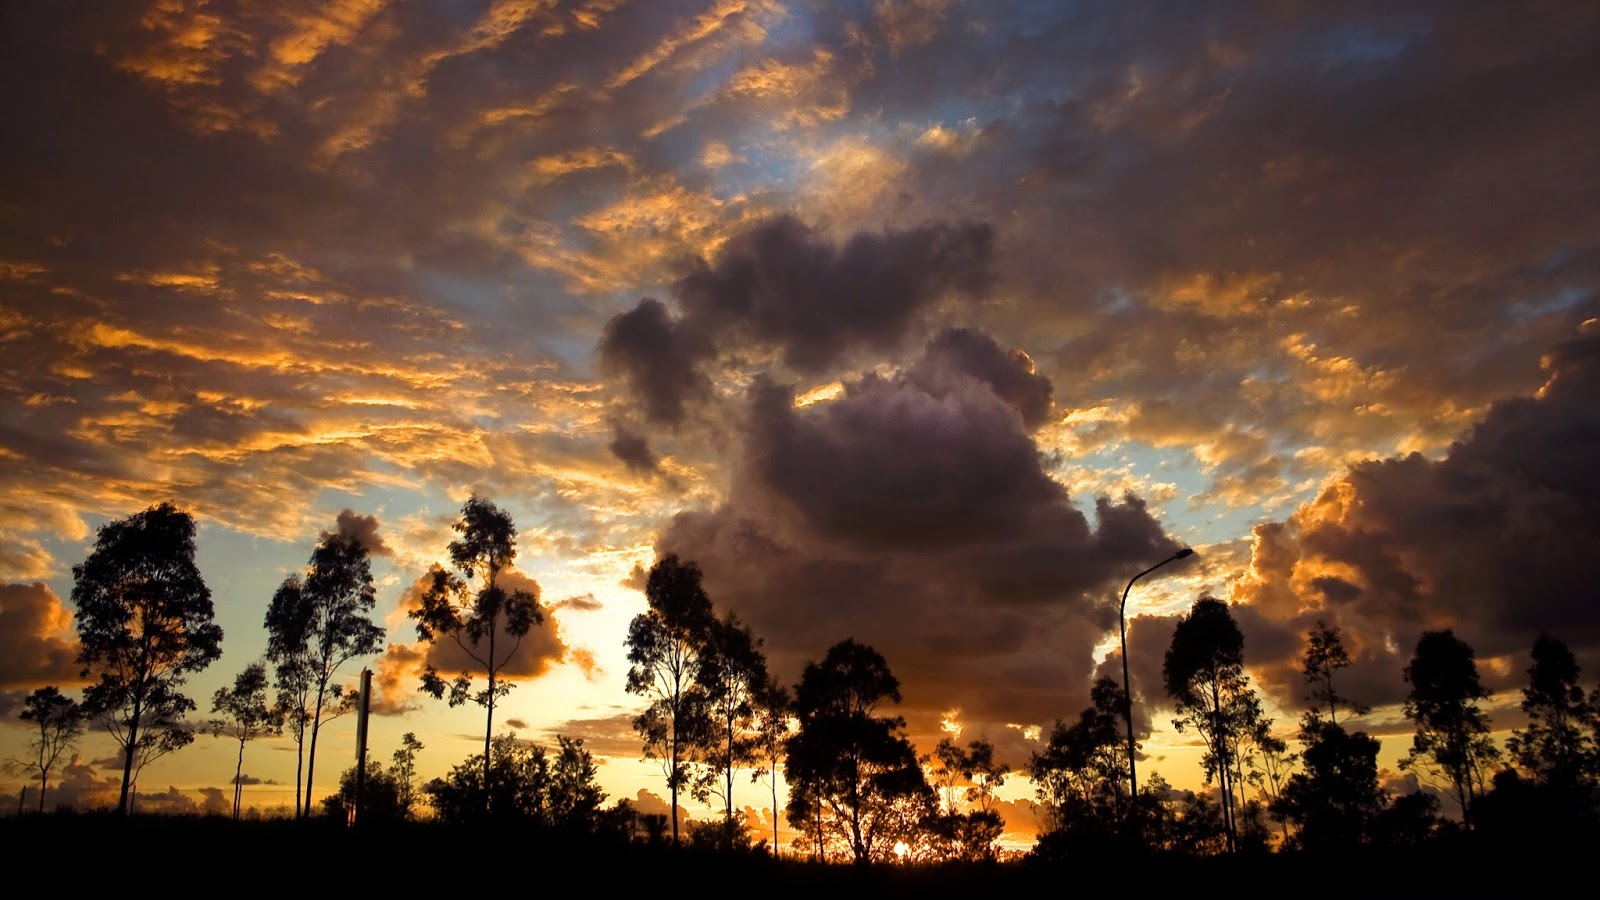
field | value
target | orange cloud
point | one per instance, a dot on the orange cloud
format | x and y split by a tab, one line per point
533	655
37	644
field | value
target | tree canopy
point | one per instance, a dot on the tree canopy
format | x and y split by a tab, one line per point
1452	740
473	609
314	626
666	645
243	714
58	721
1205	677
854	778
145	624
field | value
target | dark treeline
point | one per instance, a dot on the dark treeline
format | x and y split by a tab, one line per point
858	791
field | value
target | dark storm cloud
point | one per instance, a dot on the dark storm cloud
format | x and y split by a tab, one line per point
1496	541
364	529
782	284
1010	375
658	357
632	449
919	521
789	286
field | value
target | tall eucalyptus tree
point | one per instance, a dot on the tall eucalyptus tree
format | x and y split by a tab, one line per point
476	611
144	617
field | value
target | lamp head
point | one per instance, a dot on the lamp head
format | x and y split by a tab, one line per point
1182	553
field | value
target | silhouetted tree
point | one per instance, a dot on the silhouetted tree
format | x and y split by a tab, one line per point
144	625
1158	809
665	646
1080	776
1334	801
723	835
288	624
731	673
1204	675
1553	795
59	722
1452	740
1253	741
1324	656
575	797
316	625
404	770
487	624
1272	768
524	785
851	772
773	709
376	795
1558	746
245	717
967	827
1409	821
383	795
1197	826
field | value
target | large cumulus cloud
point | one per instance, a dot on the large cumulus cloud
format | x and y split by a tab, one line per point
37	646
786	287
1496	540
914	513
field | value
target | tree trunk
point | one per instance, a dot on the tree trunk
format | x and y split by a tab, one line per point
127	756
238	787
311	757
727	816
488	727
672	775
775	853
299	764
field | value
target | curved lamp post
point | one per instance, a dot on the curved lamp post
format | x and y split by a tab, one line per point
1127	692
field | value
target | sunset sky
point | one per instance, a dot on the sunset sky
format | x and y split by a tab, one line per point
924	323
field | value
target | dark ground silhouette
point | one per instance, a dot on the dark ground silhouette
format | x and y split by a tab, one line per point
413	858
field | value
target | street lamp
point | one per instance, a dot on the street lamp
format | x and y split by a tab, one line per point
1127	692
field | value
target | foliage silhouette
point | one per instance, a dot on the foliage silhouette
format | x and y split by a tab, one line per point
1551	795
666	644
372	798
1560	746
1324	656
1079	775
1334	800
773	708
731	674
969	834
144	618
314	626
59	721
1452	743
404	770
1204	675
854	778
478	621
887	811
245	717
525	785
